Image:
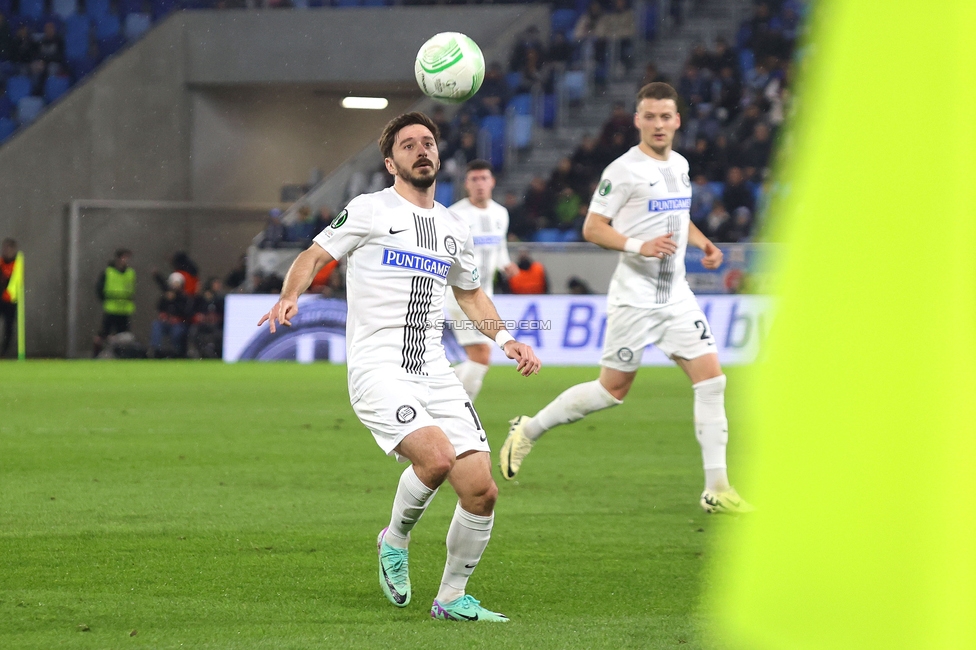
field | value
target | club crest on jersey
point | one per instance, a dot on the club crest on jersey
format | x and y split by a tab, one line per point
605	187
625	354
405	414
669	205
686	180
450	245
415	262
339	219
475	274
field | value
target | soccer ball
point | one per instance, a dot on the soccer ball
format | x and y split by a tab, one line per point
450	67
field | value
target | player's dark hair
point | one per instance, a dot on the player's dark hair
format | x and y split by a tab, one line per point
388	137
657	90
478	165
9	242
123	252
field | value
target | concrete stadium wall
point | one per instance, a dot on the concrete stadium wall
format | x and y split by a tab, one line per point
179	116
122	134
249	141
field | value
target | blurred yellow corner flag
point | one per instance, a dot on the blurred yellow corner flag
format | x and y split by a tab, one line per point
864	412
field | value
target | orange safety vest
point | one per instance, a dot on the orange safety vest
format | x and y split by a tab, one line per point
531	281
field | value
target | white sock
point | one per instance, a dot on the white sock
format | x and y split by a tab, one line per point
411	499
472	375
712	431
571	405
467	539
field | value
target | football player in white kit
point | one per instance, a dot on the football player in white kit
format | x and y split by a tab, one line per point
489	228
641	207
402	250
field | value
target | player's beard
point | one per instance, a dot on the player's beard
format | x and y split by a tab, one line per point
418	181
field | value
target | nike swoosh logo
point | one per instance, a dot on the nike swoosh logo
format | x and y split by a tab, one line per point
470	566
483	437
655	183
509	472
397	596
467	618
397	232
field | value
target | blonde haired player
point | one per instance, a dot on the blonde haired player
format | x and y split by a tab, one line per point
489	229
641	208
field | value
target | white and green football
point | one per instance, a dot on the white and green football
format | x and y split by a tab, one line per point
450	67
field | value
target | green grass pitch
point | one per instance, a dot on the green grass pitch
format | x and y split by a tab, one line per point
203	505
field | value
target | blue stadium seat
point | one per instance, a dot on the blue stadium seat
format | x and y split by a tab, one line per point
747	61
162	8
512	80
318	3
136	25
32	9
582	6
345	3
95	8
81	67
521	104
494	125
548	235
444	193
64	8
718	187
574	83
6	106
127	7
55	87
549	109
374	3
7	128
111	44
18	87
299	4
563	20
520	131
6	7
28	108
77	29
107	26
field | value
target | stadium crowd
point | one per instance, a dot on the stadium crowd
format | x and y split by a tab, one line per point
733	99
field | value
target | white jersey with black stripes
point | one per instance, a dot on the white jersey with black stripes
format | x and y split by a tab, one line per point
645	198
400	260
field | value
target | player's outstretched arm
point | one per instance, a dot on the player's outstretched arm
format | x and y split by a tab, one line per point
713	254
309	262
597	229
479	308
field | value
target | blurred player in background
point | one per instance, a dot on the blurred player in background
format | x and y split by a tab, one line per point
641	207
8	292
402	250
489	229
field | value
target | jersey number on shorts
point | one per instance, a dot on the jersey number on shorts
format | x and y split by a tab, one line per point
703	326
474	416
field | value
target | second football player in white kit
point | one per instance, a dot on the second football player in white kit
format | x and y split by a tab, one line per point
641	208
402	252
489	231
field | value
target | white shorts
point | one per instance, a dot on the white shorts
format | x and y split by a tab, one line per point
678	330
468	334
392	408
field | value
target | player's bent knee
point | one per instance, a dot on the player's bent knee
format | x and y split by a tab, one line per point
482	501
